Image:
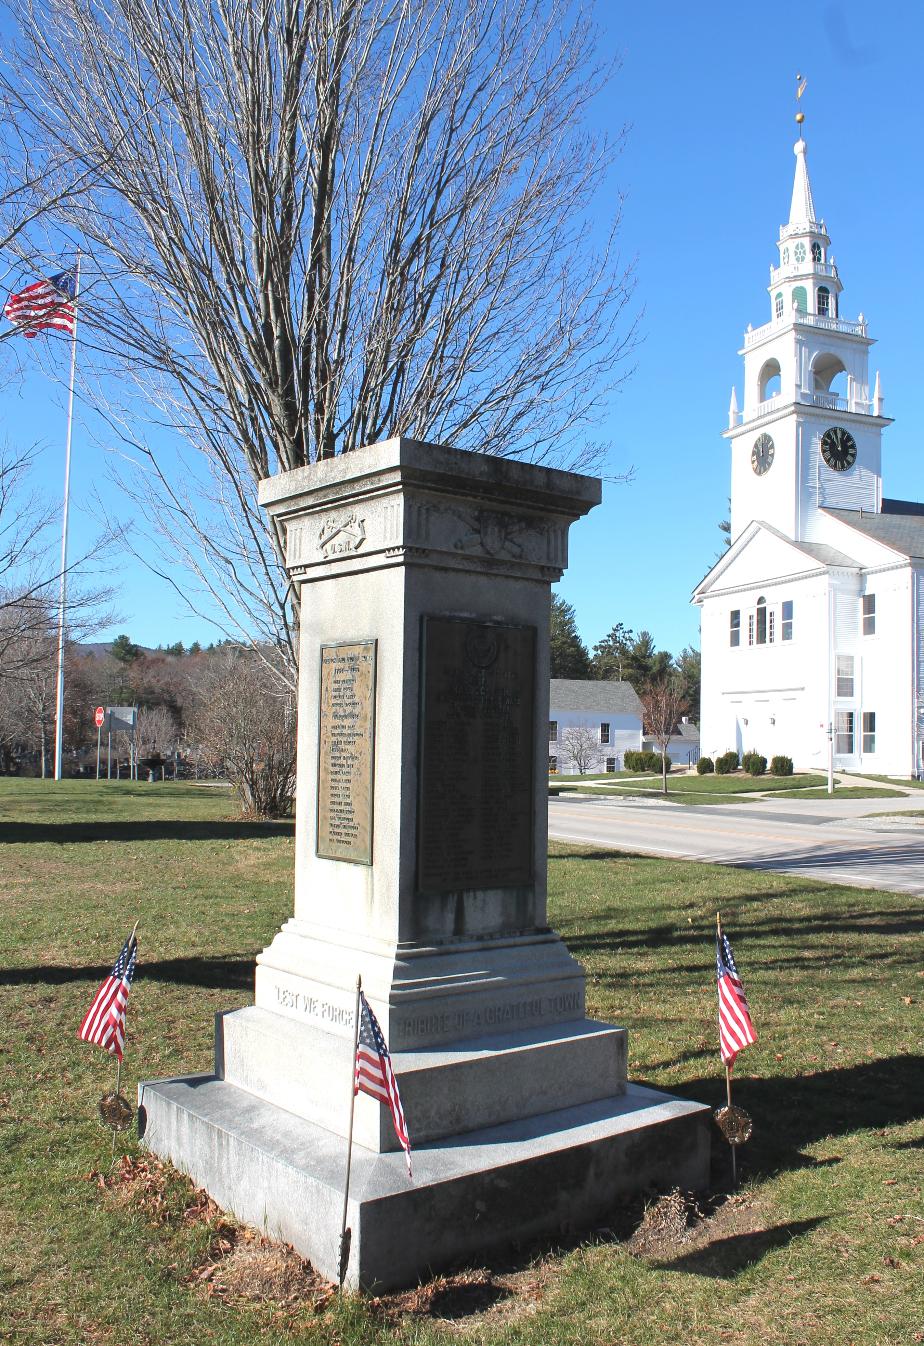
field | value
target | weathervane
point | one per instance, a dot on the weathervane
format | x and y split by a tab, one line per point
800	90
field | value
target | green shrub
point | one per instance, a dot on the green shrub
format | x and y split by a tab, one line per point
705	766
641	761
756	764
727	763
781	766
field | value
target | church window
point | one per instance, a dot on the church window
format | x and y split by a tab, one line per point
869	614
799	252
869	731
824	300
844	676
604	733
761	624
734	627
816	252
800	298
750	628
553	731
786	622
778	305
786	257
771	625
843	726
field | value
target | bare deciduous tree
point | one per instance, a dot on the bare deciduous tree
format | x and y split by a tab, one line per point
663	703
312	224
245	720
582	746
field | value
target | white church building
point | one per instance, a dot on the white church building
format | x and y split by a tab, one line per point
812	620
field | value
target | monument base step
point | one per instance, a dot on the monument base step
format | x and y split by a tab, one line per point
470	1194
446	1091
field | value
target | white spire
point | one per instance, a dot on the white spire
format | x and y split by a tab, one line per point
733	410
802	209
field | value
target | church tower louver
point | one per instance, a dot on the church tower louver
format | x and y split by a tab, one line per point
812	620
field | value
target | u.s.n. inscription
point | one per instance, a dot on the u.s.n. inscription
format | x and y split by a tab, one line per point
346	752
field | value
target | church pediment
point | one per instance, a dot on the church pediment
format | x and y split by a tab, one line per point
761	552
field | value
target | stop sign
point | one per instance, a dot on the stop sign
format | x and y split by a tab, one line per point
99	717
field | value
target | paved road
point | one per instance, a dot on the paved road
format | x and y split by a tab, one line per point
821	839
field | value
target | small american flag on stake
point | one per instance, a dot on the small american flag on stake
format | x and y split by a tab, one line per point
104	1022
374	1074
45	305
735	1028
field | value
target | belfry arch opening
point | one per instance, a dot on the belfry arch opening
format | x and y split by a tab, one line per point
829	374
768	381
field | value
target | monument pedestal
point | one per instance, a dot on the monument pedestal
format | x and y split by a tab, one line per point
421	837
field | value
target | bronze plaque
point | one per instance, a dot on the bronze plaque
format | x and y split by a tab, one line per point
346	752
477	775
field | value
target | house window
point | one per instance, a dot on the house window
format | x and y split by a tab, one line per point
778	305
869	731
604	733
869	614
553	731
786	622
553	765
843	726
734	627
761	623
611	764
844	676
824	301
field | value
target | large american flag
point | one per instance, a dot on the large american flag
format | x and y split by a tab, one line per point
374	1074
735	1028
104	1023
45	305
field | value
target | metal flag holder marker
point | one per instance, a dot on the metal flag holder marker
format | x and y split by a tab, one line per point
734	1123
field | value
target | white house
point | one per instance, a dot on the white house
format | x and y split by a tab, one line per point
592	724
812	620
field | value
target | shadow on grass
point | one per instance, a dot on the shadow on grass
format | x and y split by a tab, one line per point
161	829
726	1258
791	1112
223	973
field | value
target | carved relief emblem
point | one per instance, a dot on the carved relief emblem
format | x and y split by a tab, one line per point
492	533
338	536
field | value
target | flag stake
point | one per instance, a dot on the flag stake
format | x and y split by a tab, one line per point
59	702
345	1234
734	1123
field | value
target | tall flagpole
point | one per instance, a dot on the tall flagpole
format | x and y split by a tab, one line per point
59	708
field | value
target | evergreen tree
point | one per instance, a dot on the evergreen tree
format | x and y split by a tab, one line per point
568	657
123	650
611	653
689	666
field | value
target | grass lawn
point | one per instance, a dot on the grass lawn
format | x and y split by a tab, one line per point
823	1245
849	792
904	781
711	789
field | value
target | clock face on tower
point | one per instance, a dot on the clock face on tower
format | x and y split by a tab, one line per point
838	448
762	454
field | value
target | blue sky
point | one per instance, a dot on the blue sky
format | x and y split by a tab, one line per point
707	172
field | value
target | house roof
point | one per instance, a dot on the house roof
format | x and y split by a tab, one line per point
591	694
899	526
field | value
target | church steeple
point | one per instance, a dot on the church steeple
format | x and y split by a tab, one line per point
802	209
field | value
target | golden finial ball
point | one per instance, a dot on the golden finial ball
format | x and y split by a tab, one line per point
800	117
